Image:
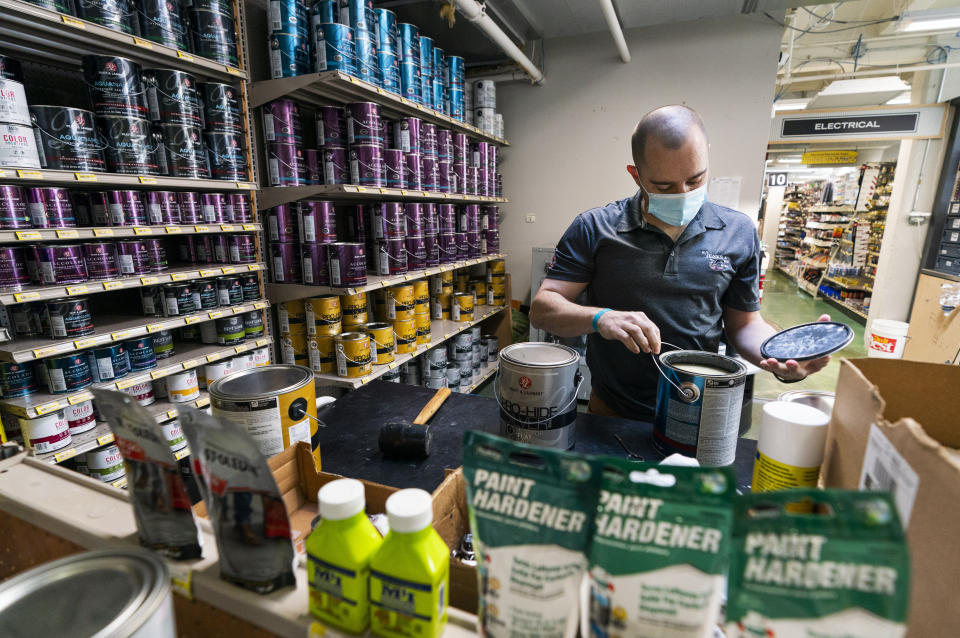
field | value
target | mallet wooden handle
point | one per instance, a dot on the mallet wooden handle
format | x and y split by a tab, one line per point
432	406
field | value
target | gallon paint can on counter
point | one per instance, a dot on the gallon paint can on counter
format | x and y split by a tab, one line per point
536	388
353	354
274	403
699	397
68	373
46	433
142	392
18	147
67	138
133	596
81	417
106	463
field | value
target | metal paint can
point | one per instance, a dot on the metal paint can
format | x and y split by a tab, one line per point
67	138
496	294
461	307
393	257
393	168
453	376
214	36
274	403
172	97
440	306
141	354
287	16
537	391
61	263
229	291
413	220
203	249
287	267
242	208
108	363
13	208
322	315
491	241
479	289
191	210
69	317
354	308
261	357
226	156
383	342
466	375
134	257
421	293
416	253
320	354
353	354
432	250
336	169
46	433
162	207
156	254
253	324
292	317
413	170
363	123
463	247
115	86
205	294
435	362
250	285
282	223
186	155
387	221
208	333
286	165
10	68
282	122
213	207
160	22
463	280
422	323
243	249
318	222
399	301
388	70
347	264
447	247
493	345
687	419
405	331
230	330
17	379
447	218
50	208
173	435
221	107
142	392
130	148
366	165
311	158
18	147
366	61
406	135
314	263
182	386
334	48
410	80
80	417
126	208
445	178
68	373
163	344
461	346
331	127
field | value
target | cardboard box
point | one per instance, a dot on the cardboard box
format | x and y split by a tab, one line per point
895	427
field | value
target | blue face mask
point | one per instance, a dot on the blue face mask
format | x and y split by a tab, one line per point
676	209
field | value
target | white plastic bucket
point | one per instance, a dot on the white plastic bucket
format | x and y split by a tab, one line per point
886	338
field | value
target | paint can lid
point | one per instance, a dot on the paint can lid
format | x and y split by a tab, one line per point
539	354
341	499
807	341
409	510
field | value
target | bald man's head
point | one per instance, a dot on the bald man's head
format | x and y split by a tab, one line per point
671	127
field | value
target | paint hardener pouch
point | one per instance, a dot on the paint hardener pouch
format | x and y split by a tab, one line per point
818	564
161	502
531	513
660	550
243	502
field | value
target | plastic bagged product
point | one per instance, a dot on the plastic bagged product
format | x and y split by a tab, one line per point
243	502
824	564
531	512
161	502
659	551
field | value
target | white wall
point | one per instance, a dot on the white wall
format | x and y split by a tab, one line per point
570	137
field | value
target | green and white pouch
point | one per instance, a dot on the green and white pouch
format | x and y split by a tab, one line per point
660	551
818	564
531	513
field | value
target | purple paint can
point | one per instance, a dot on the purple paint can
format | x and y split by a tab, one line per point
483	186
31	254
101	260
156	255
243	249
221	249
444	176
469	219
311	157
392	220
459	177
447	247
283	223
489	217
346	264
335	167
134	257
413	219
498	185
281	122
50	208
445	144
463	250
285	259
393	168
432	251
416	253
126	208
478	154
447	217
393	257
285	165
314	263
203	248
242	208
163	207
13	268
331	127
363	123
492	236
386	133
461	148
430	220
61	263
492	158
412	174
470	188
213	207
406	135
356	215
428	139
366	165
13	208
429	173
473	243
318	222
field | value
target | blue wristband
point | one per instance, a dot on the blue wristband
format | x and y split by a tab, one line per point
597	316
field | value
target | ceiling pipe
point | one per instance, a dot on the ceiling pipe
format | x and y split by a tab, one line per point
475	13
610	14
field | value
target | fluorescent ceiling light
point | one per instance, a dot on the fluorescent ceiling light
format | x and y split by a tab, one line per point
932	20
789	160
791	105
903	98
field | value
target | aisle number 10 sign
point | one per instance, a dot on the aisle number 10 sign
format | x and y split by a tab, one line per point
777	179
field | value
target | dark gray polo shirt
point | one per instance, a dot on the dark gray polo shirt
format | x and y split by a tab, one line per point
682	287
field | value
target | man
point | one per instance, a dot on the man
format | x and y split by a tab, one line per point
665	266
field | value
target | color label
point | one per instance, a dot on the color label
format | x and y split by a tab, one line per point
770	475
883	344
337	595
405	608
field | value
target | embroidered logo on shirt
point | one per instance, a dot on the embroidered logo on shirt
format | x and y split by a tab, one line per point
716	262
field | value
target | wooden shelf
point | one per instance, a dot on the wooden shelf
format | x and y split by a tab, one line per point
277	195
47	177
182	273
119	232
288	292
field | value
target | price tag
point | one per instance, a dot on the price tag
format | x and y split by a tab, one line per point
393	365
149	281
171	414
233	71
204	402
448	335
244	186
28	234
446	195
364	380
184	56
146	44
47	408
407	277
201	229
147	180
185	452
79	398
106	438
80	344
29	174
210	272
120	335
77	290
260	305
226	227
103	232
154	327
156	374
120	483
192	363
193	319
228	270
213	357
404	100
238	309
181	578
403	192
126	383
316	630
262	342
142	231
361	189
384	191
380	90
179	276
67	234
73	22
250	227
40	353
240	349
252	267
215	314
26	296
174	230
59	457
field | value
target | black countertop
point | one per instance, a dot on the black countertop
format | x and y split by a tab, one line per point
348	444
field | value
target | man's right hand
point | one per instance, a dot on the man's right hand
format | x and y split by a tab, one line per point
633	329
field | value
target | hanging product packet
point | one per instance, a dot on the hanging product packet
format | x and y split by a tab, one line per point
659	552
243	502
812	563
531	513
161	502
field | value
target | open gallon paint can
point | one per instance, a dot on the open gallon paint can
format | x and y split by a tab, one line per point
536	388
699	398
277	404
111	592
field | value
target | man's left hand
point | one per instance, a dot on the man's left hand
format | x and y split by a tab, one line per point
791	370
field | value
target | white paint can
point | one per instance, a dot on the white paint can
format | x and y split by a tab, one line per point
81	417
106	463
18	147
214	371
173	434
261	357
142	392
46	433
13	103
183	386
485	94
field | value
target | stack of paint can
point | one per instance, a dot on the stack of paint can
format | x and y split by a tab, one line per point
388	50
468	232
161	22
387	238
283	138
359	15
441	291
317	226
460	356
223	131
485	105
496	282
439	80
333	43
288	26
455	86
397	305
426	71
365	139
18	138
117	15
214	31
489	230
175	109
433	368
421	311
410	85
331	124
